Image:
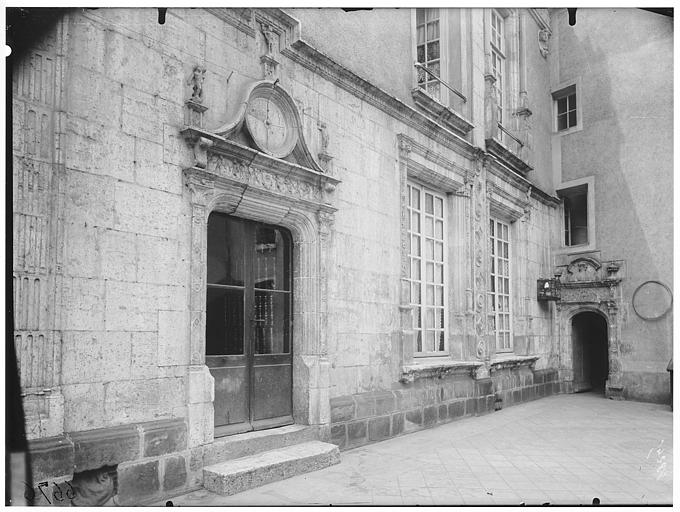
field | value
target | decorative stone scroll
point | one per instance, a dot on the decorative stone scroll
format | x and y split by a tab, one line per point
544	42
480	236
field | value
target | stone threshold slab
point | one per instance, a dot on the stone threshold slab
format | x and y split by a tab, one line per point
239	475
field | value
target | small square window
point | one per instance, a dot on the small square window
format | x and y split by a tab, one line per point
565	108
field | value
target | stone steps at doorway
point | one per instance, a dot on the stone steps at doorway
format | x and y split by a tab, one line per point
236	446
238	475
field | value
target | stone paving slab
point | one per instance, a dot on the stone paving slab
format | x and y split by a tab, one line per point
563	450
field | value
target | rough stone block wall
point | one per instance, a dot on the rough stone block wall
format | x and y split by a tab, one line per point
151	460
373	416
124	299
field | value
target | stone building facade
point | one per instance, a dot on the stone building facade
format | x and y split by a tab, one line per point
243	228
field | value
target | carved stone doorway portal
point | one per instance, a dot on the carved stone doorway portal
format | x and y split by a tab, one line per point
258	171
589	289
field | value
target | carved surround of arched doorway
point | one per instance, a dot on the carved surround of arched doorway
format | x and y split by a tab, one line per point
586	285
231	178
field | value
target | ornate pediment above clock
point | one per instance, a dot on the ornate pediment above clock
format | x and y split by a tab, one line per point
268	121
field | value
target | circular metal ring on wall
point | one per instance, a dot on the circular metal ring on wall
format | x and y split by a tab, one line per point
652	300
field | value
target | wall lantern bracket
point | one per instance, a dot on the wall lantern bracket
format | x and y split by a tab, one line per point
548	289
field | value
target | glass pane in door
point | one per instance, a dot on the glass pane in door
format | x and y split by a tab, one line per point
271	322
226	243
271	259
224	322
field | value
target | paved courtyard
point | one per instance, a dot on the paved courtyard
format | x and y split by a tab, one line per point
563	450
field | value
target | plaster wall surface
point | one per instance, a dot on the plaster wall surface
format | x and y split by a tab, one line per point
626	144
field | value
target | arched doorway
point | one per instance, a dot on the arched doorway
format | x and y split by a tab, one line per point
590	352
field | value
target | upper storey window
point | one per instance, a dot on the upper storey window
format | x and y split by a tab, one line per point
567	109
428	49
498	64
440	74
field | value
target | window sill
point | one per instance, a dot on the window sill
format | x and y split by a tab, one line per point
432	368
568	131
500	150
575	249
441	113
512	361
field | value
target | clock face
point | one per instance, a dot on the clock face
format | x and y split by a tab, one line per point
270	127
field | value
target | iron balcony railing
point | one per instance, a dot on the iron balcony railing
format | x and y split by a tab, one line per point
507	132
433	75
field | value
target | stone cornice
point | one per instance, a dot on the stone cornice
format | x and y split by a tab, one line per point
542	23
443	114
506	203
412	372
508	157
498	169
605	283
428	154
512	361
238	18
311	58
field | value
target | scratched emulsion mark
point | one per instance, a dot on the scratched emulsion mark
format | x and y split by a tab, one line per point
661	464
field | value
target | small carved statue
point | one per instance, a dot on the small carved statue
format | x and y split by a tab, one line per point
543	42
323	129
196	81
269	36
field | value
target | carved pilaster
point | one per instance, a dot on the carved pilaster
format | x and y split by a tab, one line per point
325	221
405	309
490	107
199	190
524	130
39	186
480	243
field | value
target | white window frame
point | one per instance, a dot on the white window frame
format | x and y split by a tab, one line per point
498	295
561	91
443	96
589	182
418	261
499	64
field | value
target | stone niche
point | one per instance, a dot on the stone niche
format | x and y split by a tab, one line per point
242	169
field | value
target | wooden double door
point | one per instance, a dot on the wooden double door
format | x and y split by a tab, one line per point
249	323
